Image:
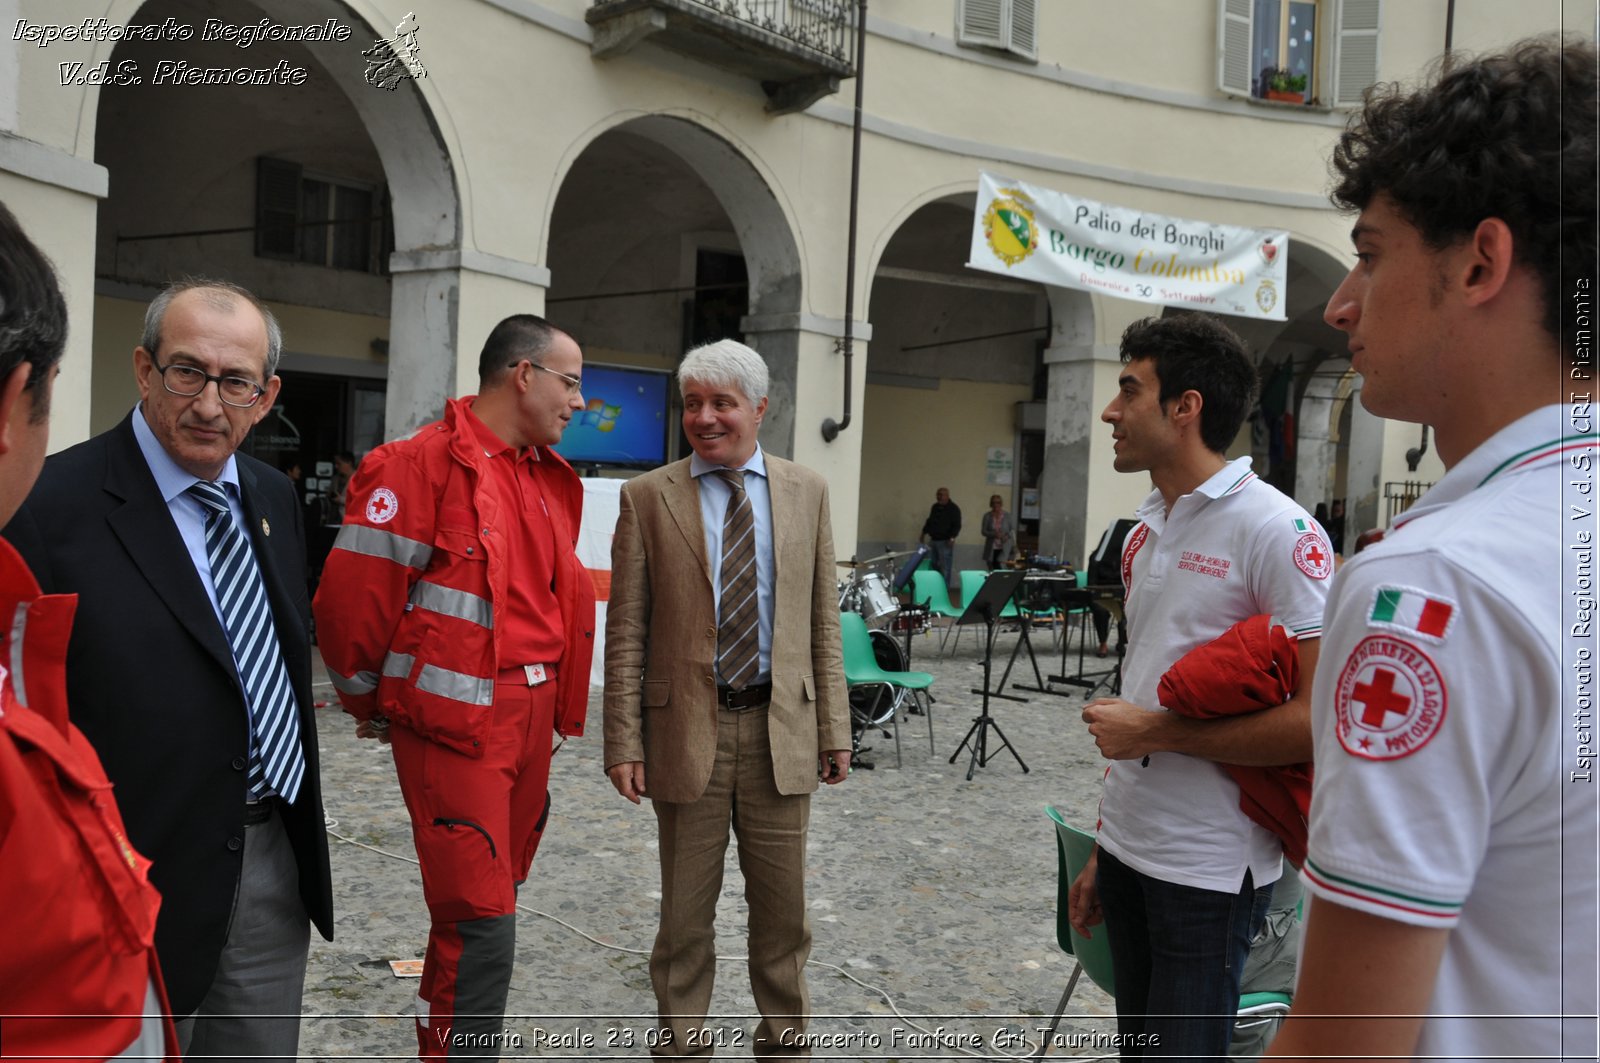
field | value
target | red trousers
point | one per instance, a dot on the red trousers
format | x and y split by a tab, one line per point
476	823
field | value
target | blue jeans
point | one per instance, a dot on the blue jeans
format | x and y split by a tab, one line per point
1178	952
943	554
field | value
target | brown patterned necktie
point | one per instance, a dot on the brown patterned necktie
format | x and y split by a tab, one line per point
739	627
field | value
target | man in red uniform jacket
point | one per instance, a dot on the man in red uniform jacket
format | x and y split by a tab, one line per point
77	911
453	607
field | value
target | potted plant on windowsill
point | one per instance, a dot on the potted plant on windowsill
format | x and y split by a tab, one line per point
1284	87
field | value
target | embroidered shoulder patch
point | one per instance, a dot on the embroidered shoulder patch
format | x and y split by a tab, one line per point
1412	611
382	505
1389	701
1312	555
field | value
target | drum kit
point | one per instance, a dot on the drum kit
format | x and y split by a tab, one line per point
869	591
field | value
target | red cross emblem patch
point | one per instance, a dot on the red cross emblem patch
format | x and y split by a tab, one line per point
1390	699
1313	556
382	505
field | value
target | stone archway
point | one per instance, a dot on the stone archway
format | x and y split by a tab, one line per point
638	202
391	139
954	376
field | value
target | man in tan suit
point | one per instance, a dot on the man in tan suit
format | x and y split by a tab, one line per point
724	694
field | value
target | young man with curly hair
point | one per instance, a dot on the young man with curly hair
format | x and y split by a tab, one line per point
1452	828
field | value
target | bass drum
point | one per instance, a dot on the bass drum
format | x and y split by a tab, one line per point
872	706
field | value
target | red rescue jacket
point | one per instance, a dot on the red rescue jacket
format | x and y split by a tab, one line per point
1254	665
408	598
77	911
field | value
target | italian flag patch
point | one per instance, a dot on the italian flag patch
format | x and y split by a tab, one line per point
1413	612
1301	525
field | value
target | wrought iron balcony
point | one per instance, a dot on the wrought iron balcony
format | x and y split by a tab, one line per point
797	49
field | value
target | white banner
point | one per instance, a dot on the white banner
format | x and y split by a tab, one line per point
602	503
1039	234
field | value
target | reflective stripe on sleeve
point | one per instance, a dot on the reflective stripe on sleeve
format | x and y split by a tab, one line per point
360	683
463	605
457	686
442	682
375	542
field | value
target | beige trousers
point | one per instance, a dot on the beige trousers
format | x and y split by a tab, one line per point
771	831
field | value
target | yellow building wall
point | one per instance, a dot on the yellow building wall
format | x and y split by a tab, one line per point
915	441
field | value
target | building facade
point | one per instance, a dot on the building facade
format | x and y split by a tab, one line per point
395	177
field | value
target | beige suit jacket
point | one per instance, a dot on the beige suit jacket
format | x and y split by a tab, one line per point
661	634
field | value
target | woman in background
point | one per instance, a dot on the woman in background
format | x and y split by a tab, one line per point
999	534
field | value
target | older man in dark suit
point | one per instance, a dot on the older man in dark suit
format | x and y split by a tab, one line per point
189	665
725	696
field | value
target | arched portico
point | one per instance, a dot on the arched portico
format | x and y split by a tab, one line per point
653	214
954	385
386	145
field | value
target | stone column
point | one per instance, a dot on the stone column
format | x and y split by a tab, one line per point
807	387
443	305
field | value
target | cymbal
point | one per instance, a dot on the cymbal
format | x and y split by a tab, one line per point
852	563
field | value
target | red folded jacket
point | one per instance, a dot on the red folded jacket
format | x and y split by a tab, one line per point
1254	665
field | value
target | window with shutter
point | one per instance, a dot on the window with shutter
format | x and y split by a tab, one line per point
277	208
1006	25
320	220
1024	16
1356	56
1233	26
1271	49
980	22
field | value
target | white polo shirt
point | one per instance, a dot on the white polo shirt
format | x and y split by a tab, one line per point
1447	735
1231	549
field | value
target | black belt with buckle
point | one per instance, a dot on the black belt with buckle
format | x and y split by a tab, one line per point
751	697
258	812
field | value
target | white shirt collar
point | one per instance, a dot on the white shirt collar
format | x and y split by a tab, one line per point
757	464
1225	481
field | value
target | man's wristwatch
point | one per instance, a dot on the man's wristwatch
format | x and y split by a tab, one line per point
379	723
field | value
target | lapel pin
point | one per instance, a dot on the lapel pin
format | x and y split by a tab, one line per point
266	529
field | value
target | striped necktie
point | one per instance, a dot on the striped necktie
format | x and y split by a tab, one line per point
739	624
276	760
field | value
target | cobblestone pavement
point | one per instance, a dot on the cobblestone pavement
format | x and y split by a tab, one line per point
932	898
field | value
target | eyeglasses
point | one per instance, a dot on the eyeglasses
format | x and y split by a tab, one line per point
574	384
188	381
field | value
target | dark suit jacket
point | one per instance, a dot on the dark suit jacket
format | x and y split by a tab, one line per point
152	683
661	634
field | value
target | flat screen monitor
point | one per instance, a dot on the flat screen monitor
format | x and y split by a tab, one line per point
624	419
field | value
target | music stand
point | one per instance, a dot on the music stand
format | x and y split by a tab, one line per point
985	608
1060	590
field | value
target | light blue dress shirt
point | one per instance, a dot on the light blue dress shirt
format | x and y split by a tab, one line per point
188	512
714	495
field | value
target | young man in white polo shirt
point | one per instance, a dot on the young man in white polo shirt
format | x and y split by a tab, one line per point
1453	818
1181	875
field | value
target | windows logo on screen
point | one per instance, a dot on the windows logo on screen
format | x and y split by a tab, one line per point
600	416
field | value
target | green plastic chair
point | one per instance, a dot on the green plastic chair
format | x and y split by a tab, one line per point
1093	954
928	588
1080	578
861	668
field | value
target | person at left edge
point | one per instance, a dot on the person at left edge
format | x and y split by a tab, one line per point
77	911
202	715
454	608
